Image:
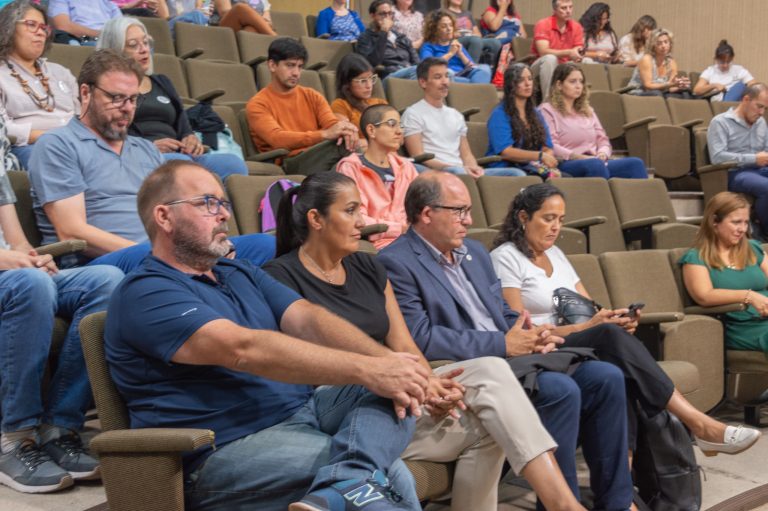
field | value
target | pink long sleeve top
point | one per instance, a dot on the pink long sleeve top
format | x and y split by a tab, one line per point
575	133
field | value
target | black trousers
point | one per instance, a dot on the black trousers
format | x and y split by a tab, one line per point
647	385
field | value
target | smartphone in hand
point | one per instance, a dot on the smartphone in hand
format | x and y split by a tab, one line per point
633	308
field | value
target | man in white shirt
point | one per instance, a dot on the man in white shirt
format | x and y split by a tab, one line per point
432	127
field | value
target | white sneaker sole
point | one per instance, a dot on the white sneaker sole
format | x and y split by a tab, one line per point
86	476
65	482
301	506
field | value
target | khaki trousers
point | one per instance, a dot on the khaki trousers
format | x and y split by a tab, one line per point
499	422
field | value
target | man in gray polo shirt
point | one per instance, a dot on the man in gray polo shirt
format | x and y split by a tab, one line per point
85	175
741	135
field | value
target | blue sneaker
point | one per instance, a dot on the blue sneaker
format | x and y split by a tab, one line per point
29	469
373	494
68	452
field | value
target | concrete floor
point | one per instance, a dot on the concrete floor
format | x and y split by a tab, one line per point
725	476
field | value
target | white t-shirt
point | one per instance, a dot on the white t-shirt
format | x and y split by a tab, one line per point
441	130
516	270
627	49
735	74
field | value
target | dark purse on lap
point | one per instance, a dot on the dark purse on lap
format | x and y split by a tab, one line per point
572	308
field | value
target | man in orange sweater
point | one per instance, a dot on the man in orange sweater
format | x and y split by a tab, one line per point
286	115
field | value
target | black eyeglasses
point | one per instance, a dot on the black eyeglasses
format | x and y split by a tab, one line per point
460	212
118	100
389	122
386	14
33	26
212	203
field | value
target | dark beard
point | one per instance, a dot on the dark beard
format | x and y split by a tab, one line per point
104	128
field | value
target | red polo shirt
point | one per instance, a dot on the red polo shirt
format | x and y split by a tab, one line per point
546	30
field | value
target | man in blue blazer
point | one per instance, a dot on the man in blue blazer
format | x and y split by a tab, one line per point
452	302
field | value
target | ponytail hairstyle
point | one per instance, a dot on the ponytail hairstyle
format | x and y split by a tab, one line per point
530	199
317	192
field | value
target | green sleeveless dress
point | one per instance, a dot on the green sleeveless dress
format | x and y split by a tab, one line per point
744	330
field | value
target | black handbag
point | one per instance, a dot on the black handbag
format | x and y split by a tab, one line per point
572	308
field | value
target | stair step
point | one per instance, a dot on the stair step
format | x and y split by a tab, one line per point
687	204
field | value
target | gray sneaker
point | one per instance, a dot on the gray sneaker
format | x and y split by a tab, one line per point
68	452
29	469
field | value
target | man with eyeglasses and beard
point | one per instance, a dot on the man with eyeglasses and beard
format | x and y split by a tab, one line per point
85	175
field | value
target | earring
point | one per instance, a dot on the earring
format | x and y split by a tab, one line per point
523	227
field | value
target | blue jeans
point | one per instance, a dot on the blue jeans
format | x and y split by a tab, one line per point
595	392
406	73
631	167
341	433
477	46
29	300
223	165
196	17
753	181
490	171
481	73
23	153
257	248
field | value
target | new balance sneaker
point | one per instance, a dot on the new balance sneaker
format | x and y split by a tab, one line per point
373	494
68	452
29	469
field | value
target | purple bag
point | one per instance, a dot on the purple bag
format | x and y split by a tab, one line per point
270	202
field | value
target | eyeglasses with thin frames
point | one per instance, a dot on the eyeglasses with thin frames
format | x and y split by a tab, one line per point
212	203
365	81
134	44
33	26
386	14
459	212
389	122
118	100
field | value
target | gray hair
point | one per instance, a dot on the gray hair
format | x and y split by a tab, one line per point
9	16
112	36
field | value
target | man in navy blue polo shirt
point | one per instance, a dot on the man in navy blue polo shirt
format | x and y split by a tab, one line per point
200	341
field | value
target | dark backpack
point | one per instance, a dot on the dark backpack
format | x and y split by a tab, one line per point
665	469
270	202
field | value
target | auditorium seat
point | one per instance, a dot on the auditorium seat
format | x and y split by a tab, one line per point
595	76
171	66
324	54
71	57
290	24
475	100
403	93
255	168
161	34
687	111
230	84
668	333
618	77
216	43
253	47
648	199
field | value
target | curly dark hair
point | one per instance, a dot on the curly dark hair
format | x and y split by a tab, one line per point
590	20
530	199
531	135
432	20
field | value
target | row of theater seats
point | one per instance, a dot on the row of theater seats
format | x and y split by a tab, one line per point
143	465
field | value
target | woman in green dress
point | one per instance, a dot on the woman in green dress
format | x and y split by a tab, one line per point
725	266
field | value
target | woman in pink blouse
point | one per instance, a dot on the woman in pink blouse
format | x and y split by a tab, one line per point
578	138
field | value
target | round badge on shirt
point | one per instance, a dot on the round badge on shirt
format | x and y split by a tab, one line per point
164	100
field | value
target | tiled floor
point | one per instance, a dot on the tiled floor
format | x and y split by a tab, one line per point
726	476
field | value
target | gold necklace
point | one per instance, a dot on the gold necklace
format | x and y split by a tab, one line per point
47	102
317	266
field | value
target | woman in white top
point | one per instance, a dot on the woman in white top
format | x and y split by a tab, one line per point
728	79
35	95
632	45
531	267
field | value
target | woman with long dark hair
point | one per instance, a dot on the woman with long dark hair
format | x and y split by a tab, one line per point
531	267
318	233
516	130
600	41
500	20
